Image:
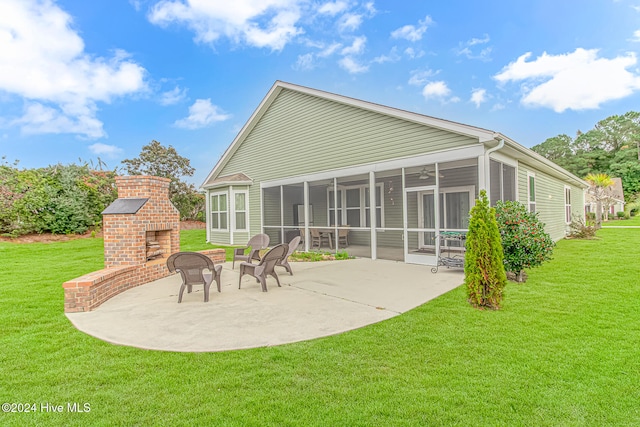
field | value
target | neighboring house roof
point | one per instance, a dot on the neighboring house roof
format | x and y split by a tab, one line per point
614	192
235	179
486	137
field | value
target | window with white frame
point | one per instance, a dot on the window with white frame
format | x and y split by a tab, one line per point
379	210
502	182
531	190
353	206
567	204
219	211
240	210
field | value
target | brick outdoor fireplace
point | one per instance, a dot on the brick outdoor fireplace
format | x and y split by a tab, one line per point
141	229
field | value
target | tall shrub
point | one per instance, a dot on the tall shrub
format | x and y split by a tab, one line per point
524	241
484	274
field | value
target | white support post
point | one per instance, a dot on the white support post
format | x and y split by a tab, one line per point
282	214
405	224
373	212
306	216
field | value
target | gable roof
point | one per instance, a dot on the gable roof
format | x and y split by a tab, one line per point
234	179
484	136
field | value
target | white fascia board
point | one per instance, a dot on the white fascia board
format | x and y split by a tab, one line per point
405	162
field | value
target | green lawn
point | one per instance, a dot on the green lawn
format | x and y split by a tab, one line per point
564	351
634	220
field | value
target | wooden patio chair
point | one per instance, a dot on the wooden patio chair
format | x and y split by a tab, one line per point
343	236
293	245
316	239
191	266
266	267
255	244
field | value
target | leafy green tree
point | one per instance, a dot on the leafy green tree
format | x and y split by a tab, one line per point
158	160
599	183
484	274
558	149
611	147
626	165
524	240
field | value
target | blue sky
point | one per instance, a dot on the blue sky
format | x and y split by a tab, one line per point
102	78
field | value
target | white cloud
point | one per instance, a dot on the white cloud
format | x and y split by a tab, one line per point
100	149
352	66
350	22
333	8
42	119
420	77
579	80
412	33
467	48
478	96
357	47
393	56
329	50
412	54
201	114
173	96
258	23
636	36
305	62
437	89
43	61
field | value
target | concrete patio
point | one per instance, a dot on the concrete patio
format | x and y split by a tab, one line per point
321	299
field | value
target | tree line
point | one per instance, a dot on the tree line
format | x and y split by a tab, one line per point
612	147
68	199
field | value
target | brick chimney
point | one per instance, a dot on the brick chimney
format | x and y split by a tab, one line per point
141	226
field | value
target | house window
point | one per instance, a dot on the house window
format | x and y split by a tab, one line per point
353	206
332	207
531	178
219	211
379	210
502	179
240	210
567	204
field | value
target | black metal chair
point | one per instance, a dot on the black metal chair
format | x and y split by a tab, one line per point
266	267
191	266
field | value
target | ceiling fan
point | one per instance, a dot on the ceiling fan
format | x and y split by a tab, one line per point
426	173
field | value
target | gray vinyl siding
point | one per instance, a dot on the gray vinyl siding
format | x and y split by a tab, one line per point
550	203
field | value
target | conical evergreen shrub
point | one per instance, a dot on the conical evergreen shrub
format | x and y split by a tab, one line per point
484	274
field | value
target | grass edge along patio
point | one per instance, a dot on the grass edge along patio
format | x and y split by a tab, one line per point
309	159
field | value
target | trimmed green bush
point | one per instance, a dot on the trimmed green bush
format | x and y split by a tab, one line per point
484	274
524	240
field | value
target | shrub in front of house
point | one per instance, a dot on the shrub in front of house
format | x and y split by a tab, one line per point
581	229
484	274
524	241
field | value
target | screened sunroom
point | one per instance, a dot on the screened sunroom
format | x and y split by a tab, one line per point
401	214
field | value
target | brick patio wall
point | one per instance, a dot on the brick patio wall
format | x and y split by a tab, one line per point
89	291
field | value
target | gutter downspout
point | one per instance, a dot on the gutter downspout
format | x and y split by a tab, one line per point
487	172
